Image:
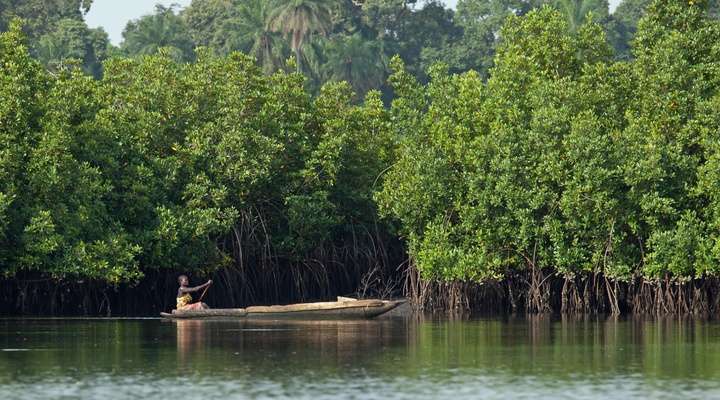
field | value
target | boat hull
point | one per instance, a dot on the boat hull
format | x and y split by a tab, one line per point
357	309
206	314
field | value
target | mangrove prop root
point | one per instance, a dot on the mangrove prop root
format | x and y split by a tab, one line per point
536	292
258	277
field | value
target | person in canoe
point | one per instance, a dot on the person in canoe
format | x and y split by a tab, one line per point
184	298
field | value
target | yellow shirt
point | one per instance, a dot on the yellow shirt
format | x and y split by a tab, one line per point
183	300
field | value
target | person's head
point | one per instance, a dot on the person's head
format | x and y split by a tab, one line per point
183	280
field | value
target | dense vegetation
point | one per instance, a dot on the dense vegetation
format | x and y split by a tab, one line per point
332	40
556	174
568	164
197	167
353	40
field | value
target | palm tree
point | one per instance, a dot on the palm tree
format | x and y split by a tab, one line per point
72	39
356	60
300	20
249	33
165	28
576	11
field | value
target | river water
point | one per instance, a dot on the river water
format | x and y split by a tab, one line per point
495	358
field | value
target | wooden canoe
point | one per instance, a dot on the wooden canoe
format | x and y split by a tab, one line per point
210	313
344	308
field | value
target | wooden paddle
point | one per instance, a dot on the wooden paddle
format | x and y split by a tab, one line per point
204	291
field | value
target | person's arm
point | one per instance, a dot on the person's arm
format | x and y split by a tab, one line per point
196	288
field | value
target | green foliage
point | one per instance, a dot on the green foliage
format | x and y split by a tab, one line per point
163	30
299	20
163	164
623	23
57	33
480	21
247	30
321	35
421	37
577	11
334	40
206	20
348	40
564	159
551	155
41	15
356	60
73	40
57	221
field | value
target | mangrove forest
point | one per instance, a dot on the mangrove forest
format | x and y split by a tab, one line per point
505	156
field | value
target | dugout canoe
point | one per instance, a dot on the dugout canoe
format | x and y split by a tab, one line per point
344	308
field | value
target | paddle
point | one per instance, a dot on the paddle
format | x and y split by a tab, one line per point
203	293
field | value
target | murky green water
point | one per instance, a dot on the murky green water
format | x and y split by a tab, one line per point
592	358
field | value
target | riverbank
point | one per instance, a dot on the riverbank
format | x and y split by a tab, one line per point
33	295
519	293
547	292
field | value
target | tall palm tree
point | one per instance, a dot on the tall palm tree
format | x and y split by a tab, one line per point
249	32
356	60
300	20
164	28
576	11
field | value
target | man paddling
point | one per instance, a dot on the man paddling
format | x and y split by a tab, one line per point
184	299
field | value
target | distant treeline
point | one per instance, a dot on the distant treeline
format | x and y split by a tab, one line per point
331	40
561	178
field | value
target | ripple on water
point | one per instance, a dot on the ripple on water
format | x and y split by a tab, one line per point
370	387
489	359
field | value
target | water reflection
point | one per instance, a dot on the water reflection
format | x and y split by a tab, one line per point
330	343
538	345
190	339
494	356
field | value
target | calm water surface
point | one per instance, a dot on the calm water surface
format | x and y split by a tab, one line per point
504	358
